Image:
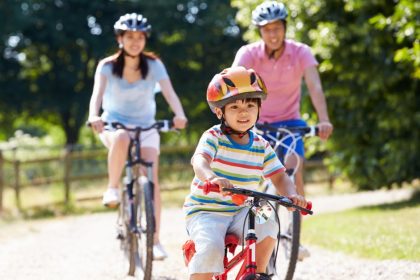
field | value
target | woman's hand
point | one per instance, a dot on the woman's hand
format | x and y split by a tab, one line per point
96	124
180	122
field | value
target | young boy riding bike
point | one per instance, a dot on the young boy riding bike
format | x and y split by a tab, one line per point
231	154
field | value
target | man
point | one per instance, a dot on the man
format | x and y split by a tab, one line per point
282	63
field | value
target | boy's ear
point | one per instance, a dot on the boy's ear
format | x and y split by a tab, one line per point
219	113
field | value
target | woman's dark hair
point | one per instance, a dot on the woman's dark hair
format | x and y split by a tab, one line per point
118	63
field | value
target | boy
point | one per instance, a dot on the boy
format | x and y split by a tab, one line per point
231	154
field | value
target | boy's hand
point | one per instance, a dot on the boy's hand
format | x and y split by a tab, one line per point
222	183
298	200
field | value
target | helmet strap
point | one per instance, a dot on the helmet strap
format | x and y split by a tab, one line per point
226	129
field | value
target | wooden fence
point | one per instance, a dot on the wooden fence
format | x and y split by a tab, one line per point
16	174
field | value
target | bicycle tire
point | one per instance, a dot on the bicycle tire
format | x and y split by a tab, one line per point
287	255
146	220
128	239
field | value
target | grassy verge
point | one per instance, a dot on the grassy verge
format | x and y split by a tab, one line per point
389	231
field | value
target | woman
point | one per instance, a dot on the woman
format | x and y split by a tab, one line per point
124	87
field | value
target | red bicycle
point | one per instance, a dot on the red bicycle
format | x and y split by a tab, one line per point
260	206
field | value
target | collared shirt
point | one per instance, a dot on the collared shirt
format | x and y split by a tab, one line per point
282	77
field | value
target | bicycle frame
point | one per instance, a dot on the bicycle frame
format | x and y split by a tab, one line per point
248	253
138	202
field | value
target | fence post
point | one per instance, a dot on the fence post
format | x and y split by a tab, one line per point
16	168
67	172
1	182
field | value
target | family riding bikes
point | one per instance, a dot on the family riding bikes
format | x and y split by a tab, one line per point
230	156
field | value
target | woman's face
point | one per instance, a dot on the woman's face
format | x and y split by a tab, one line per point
133	42
273	35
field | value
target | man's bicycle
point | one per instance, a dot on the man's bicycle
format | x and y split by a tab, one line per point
136	219
284	140
257	213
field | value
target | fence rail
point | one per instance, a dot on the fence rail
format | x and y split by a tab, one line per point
78	165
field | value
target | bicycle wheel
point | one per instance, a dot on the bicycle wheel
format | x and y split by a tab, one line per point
146	220
285	264
128	238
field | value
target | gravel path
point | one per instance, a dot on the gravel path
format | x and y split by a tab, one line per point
84	247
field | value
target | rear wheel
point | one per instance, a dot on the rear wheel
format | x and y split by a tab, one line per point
146	221
285	263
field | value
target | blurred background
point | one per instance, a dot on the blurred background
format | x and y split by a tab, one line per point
52	164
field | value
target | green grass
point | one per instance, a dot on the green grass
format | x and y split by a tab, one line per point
389	231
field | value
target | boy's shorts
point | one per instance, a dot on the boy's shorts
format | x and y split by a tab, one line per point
208	231
300	149
148	139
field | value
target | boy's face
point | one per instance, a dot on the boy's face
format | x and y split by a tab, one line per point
239	115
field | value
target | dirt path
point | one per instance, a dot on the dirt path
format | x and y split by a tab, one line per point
84	247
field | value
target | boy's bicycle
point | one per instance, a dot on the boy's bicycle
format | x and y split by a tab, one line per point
136	219
284	140
257	212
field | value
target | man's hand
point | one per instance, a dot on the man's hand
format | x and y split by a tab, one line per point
325	129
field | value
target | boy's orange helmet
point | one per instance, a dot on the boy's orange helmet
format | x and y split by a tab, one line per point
235	83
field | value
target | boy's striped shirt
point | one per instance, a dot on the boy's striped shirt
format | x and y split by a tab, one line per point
243	165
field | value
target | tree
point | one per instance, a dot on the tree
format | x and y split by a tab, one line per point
369	53
60	43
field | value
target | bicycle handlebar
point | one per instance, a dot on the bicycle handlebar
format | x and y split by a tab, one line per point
161	125
301	130
241	194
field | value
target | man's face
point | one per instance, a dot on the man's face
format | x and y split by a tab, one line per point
273	34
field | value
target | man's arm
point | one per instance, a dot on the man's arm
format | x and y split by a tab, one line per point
313	83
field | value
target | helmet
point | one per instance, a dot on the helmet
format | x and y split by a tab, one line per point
268	12
234	83
132	22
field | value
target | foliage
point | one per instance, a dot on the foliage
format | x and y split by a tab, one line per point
369	62
51	49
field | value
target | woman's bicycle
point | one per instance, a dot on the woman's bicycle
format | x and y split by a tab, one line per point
136	219
284	140
257	213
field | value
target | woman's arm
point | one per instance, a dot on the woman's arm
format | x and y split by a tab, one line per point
96	102
180	120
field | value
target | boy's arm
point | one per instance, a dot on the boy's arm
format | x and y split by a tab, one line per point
203	171
285	187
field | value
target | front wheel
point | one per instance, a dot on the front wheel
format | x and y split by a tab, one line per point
146	220
128	238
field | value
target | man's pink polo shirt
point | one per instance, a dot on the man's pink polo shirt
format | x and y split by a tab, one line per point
283	77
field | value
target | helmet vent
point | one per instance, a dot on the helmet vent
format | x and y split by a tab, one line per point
228	82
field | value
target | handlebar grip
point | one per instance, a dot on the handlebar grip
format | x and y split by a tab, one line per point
308	206
237	199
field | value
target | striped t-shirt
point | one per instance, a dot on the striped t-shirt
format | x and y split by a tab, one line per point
243	165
